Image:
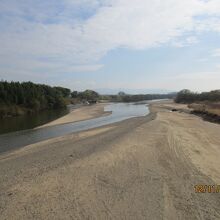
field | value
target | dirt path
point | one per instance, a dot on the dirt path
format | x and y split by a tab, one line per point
137	169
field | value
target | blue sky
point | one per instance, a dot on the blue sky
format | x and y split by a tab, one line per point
112	45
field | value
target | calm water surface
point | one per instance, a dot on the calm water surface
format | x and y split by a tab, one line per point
30	121
25	122
120	111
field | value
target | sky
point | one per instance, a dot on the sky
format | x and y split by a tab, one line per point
111	45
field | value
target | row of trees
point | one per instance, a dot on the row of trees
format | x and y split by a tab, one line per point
186	96
28	95
18	98
92	96
123	97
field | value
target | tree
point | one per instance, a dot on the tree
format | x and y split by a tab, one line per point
64	91
121	93
74	94
89	95
185	96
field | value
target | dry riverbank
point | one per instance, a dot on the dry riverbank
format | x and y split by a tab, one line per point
142	168
80	114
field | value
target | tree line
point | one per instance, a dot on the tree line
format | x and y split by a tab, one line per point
18	98
187	96
123	97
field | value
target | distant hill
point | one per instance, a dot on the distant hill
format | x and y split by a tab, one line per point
106	91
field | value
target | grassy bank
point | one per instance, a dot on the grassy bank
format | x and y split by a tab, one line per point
205	104
208	111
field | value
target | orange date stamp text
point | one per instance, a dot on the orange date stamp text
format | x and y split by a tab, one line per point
207	188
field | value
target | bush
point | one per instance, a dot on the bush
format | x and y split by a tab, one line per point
186	96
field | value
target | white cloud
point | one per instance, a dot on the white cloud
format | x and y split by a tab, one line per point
75	34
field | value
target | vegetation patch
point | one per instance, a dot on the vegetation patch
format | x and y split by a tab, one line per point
207	116
205	104
21	98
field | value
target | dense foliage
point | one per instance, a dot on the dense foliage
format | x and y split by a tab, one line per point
186	96
63	91
87	95
15	97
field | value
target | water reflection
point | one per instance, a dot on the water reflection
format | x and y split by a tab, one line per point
120	111
30	121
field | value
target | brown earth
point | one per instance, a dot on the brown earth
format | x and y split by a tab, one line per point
208	111
142	168
210	108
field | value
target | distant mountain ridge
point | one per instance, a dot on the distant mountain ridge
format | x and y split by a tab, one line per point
105	91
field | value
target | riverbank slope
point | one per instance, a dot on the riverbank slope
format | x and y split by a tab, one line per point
141	168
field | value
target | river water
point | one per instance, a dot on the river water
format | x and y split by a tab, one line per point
24	122
120	112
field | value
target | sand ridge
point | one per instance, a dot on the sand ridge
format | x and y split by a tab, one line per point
80	114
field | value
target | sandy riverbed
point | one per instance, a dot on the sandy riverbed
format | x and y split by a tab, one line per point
80	114
142	168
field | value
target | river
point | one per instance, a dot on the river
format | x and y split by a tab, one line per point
29	121
120	111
